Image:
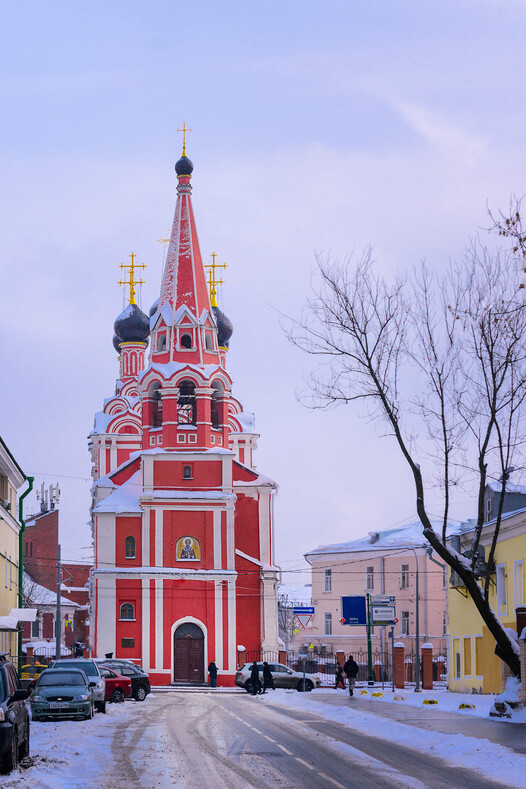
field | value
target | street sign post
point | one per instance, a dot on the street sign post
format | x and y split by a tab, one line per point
304	614
354	610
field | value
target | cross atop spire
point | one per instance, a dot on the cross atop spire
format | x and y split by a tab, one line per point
212	281
184	130
131	281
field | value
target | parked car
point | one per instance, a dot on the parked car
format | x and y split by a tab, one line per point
92	670
140	681
284	677
36	670
63	693
14	717
118	687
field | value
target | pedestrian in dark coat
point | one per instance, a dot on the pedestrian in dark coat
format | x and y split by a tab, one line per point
254	678
351	669
212	670
268	679
339	679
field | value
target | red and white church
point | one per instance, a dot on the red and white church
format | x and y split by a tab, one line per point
182	522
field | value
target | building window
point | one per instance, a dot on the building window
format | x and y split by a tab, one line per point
35	629
444	577
186	341
192	439
444	624
128	612
404	620
404	577
327	624
212	439
187	472
215	406
209	344
127	643
518	585
502	595
456	658
130	548
186	413
161	342
152	440
181	438
154	393
327	581
467	656
369	578
478	657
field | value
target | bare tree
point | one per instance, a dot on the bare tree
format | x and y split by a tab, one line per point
442	362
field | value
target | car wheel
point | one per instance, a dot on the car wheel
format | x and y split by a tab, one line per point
101	706
9	760
24	749
248	686
140	693
117	696
308	685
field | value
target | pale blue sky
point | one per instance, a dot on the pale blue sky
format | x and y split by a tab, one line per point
317	127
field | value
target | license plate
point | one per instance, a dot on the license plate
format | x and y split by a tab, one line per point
59	705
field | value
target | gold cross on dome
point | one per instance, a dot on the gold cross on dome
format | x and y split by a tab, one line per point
212	281
131	281
184	130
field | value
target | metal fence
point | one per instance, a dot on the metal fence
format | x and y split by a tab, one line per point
324	666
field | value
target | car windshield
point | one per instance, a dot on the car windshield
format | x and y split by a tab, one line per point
60	678
88	667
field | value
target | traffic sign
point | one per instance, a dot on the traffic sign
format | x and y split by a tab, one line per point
304	614
383	615
304	619
354	610
382	599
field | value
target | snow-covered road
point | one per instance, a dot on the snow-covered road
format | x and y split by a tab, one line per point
229	740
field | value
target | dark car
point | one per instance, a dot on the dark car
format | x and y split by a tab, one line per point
91	668
63	693
140	681
14	717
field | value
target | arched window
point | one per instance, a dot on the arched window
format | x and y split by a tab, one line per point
186	414
209	344
157	405
127	611
189	630
187	472
186	341
130	547
215	407
161	342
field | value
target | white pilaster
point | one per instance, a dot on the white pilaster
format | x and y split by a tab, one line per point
106	627
264	526
105	539
217	539
159	634
146	623
159	537
218	602
232	646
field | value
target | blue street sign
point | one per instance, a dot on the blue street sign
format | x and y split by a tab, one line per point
306	609
354	610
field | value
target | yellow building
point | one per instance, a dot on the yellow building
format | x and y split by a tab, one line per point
473	665
11	478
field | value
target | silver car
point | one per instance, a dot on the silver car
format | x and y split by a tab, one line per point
284	677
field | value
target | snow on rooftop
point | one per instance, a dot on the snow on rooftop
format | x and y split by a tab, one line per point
247	420
101	423
510	487
38	595
123	499
397	537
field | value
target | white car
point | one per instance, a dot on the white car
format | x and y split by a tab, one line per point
284	677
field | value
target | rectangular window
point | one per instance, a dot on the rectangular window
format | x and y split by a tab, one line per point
369	578
467	656
128	643
444	624
192	439
518	584
10	573
404	577
456	657
328	624
327	581
478	657
5	566
152	440
181	438
212	439
35	629
404	621
501	589
444	577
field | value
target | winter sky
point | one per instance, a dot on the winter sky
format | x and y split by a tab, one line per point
317	127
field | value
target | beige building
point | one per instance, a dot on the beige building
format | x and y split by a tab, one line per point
383	563
11	478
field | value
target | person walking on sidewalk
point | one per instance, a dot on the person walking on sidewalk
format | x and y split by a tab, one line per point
351	669
212	670
268	679
254	678
339	679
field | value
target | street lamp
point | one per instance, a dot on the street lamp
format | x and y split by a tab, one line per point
417	671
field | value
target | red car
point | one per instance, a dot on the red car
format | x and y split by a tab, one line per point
118	687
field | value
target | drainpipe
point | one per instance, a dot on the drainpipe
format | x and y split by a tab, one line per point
22	522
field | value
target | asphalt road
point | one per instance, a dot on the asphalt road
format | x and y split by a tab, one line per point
229	741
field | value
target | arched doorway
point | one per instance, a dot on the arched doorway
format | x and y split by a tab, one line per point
189	653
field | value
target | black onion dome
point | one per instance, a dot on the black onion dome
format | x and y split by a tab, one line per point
225	327
132	325
116	343
184	166
153	308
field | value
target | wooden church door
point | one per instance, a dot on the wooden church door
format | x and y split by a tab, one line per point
189	654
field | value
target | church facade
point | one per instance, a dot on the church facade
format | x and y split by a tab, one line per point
182	523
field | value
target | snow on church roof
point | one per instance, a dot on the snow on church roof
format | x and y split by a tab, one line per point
123	499
409	535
